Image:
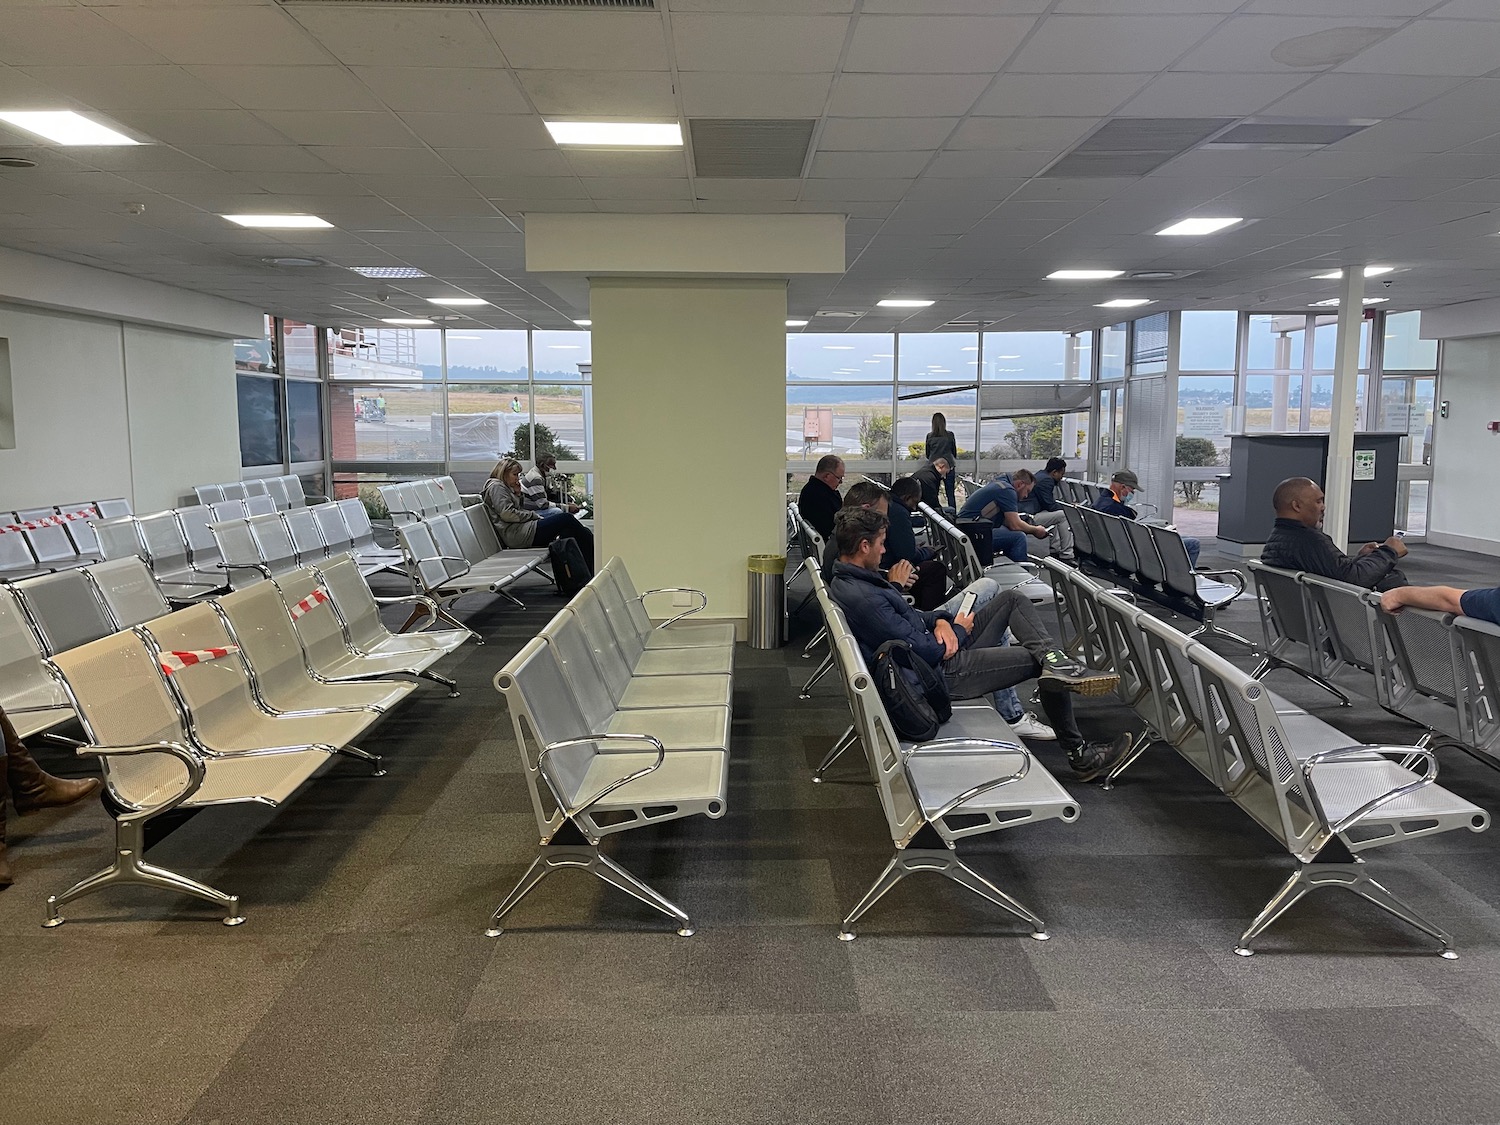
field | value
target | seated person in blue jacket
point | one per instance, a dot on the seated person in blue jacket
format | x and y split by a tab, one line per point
1480	604
1124	487
1000	502
1039	505
967	648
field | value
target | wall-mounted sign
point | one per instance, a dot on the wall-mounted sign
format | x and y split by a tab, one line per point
1364	464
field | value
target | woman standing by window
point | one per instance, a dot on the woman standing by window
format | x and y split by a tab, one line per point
942	443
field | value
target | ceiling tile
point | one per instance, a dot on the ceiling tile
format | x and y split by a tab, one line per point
1210	95
836	165
330	88
764	44
380	130
529	187
1246	44
953	7
905	95
1394	9
507	162
590	162
396	38
446	89
707	94
1109	44
218	33
608	94
259	158
579	40
1433	47
861	190
1360	96
112	88
358	158
1041	134
475	130
44	36
733	189
973	162
885	134
1467	10
201	127
1059	95
637	187
1148	7
934	44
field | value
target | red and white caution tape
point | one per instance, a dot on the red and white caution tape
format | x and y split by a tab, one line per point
309	603
177	661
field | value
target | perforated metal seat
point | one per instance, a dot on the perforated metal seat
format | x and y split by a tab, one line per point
609	622
64	609
31	699
676	632
360	611
274	543
307	539
167	554
128	591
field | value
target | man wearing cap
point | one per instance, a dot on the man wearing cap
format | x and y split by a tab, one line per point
1124	486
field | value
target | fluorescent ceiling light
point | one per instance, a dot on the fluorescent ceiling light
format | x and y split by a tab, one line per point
1007	357
796	323
451	336
903	303
586	323
565	347
1083	275
280	222
1370	271
1199	226
456	301
65	127
1123	303
968	349
838	347
612	134
387	271
408	320
1335	301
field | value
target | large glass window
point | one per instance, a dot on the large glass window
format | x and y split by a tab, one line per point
939	357
484	356
562	357
1112	345
1028	356
404	355
1209	339
1274	343
304	418
840	357
914	423
260	421
299	349
387	422
854	422
258	353
1325	342
1148	344
1404	349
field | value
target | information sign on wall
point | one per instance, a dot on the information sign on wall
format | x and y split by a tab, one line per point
1364	464
1200	420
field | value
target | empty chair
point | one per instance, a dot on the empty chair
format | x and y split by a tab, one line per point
325	640
195	522
586	784
1201	593
307	539
340	536
261	506
128	591
332	528
239	553
255	487
35	515
677	632
277	551
110	509
208	493
607	621
31	699
119	537
276	489
81	532
16	559
64	609
1418	658
603	667
359	610
151	764
1286	624
298	496
167	554
235	490
228	510
50	545
257	620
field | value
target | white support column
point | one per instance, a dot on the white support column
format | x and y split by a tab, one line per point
1338	484
1070	421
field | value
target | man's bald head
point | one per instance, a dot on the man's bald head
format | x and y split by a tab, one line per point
1300	499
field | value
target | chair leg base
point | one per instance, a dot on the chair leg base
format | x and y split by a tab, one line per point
555	857
1137	748
1269	664
910	861
846	740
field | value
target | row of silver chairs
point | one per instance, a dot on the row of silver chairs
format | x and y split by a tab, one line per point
238	699
271	543
957	553
285	492
1072	490
37	540
413	500
975	778
1436	670
621	723
1323	797
450	555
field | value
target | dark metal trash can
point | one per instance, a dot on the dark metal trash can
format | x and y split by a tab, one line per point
767	601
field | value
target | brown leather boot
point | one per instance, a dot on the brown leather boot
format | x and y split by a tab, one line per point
31	787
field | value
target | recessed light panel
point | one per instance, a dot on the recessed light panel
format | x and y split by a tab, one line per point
1370	271
65	127
904	303
796	324
1083	275
387	271
1334	301
583	323
616	134
456	301
1199	226
280	222
409	321
1123	303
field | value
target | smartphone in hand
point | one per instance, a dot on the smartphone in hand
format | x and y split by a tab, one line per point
966	606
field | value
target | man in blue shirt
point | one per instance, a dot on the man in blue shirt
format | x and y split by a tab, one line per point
1039	506
998	502
1481	604
1124	486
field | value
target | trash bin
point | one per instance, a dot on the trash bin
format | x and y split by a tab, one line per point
767	601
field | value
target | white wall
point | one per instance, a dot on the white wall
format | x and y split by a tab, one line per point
1463	449
104	408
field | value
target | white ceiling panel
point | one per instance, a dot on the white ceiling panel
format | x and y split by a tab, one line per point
218	33
1210	95
507	162
834	165
1246	43
885	134
764	44
905	95
935	44
1039	134
258	158
1059	95
754	95
528	187
1476	100
114	88
399	38
330	88
1393	9
962	191
1433	47
609	94
357	158
379	130
201	127
1405	136
1110	44
590	162
637	187
1468	10
1147	7
306	183
501	131
444	89
1360	96
1005	164
862	190
42	37
764	190
579	40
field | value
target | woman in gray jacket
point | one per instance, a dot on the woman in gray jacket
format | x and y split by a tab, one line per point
516	526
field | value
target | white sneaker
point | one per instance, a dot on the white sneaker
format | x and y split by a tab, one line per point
1029	726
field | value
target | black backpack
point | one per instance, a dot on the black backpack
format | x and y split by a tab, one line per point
570	570
914	693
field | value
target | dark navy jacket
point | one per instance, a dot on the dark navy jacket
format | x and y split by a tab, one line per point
877	613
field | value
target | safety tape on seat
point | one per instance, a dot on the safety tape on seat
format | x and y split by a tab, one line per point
176	661
309	603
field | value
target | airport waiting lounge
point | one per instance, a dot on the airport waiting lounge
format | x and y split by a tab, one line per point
434	694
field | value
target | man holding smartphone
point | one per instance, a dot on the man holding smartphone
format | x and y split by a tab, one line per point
968	647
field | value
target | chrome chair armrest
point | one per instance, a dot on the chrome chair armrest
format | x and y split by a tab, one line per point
700	607
265	571
1408	753
947	745
570	811
192	761
1233	576
63	706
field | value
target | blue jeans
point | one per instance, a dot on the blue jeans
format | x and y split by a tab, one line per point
1011	544
1007	702
1193	547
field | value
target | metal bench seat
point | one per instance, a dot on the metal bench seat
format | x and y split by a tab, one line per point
677	631
33	701
600	668
360	610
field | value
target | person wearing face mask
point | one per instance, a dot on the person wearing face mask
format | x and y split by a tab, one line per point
1124	487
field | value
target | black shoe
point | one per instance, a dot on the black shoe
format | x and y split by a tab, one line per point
1095	758
1075	675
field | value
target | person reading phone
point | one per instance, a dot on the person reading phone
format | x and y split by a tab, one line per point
966	647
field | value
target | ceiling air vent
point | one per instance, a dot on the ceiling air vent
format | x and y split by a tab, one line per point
1134	146
638	5
725	148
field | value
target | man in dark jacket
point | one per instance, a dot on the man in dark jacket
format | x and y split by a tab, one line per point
930	477
1115	501
819	500
1296	543
967	648
1038	502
